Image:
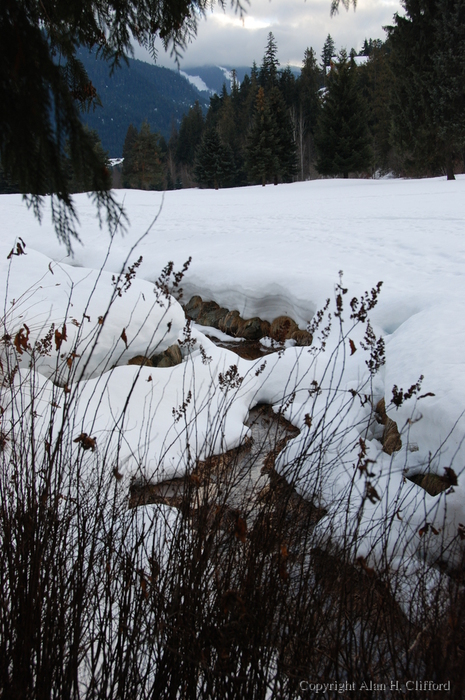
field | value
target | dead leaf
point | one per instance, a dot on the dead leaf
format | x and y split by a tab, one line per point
240	529
19	249
195	479
21	339
124	337
117	474
60	337
282	565
352	346
372	494
70	359
86	442
423	530
450	477
143	585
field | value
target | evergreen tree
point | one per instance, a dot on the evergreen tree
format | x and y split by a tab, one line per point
81	180
129	142
288	87
6	185
428	61
213	114
375	81
308	85
246	103
190	135
262	151
214	162
285	148
365	49
171	161
370	45
329	49
343	140
268	76
234	84
228	124
254	75
143	169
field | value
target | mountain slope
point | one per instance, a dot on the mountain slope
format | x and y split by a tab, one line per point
215	77
133	93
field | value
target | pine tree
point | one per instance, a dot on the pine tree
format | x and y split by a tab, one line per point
214	162
308	85
234	84
285	148
343	140
129	142
447	89
428	61
329	49
375	81
262	157
268	76
370	45
143	169
232	138
190	135
81	180
6	185
288	87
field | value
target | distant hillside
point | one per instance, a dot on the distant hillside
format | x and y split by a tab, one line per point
214	77
134	93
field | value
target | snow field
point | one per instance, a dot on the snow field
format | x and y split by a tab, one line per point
266	251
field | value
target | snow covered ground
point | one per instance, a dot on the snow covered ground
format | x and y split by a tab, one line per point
266	252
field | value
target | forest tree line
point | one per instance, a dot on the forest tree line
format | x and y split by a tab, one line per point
402	110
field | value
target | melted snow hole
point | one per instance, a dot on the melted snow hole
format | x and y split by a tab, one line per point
234	479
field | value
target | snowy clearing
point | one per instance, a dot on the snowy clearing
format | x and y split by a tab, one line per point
266	252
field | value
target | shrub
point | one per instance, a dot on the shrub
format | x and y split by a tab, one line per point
257	571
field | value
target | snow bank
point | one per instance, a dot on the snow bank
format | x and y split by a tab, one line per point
270	251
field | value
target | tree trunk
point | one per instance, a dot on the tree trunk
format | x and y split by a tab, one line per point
450	169
301	142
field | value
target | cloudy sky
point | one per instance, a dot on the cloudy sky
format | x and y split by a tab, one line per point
223	39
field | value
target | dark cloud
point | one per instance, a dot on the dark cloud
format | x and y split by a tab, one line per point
224	40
